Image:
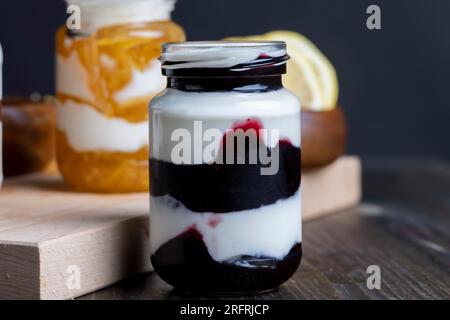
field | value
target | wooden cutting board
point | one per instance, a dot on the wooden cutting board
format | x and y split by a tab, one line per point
58	244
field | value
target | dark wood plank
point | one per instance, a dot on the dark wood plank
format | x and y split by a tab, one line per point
403	226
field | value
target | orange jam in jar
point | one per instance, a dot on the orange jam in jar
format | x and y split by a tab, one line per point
107	72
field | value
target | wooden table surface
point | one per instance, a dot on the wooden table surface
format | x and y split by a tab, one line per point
403	226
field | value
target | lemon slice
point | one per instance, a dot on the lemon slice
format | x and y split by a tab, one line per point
301	78
323	68
302	81
311	76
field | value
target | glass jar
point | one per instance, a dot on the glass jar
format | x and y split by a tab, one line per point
225	209
107	72
1	126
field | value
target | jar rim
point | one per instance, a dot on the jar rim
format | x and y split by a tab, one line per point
233	56
222	43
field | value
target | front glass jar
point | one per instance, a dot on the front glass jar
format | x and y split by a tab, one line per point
107	72
225	211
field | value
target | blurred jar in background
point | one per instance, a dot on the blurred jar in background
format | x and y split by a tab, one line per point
107	73
1	127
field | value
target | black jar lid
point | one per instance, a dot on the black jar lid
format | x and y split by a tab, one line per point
223	58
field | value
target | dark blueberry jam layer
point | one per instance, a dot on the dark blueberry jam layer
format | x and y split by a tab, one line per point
263	66
184	262
222	188
240	84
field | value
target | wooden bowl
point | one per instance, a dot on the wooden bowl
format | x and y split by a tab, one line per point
324	137
28	135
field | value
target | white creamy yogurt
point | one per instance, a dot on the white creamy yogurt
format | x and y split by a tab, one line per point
87	129
270	230
143	83
146	34
96	14
72	78
174	109
107	61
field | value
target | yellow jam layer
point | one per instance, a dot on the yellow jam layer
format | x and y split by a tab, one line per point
127	48
110	59
105	172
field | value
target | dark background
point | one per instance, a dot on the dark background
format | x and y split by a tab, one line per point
394	83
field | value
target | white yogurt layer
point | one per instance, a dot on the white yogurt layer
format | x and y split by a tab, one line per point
270	230
87	129
174	109
72	78
143	83
103	13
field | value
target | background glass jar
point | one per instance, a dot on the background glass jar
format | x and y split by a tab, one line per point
220	222
107	72
1	126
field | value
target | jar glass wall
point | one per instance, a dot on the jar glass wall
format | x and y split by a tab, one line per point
1	125
225	209
107	72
